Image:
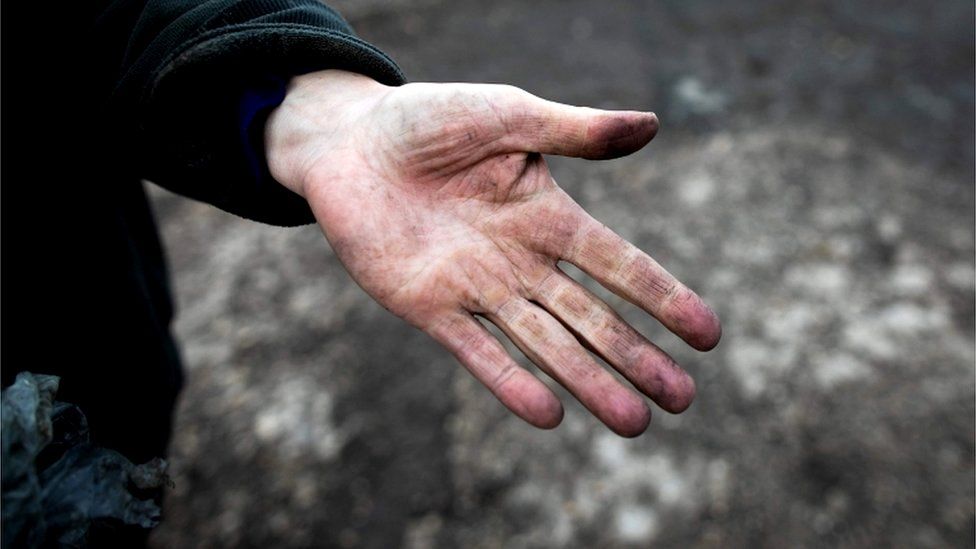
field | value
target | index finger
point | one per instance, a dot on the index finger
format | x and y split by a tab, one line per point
628	272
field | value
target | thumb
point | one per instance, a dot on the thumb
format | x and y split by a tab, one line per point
538	125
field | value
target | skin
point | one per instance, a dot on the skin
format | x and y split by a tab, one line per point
438	201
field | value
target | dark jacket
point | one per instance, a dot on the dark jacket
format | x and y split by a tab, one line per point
96	99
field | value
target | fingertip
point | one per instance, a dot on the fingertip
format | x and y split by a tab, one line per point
532	401
681	396
695	322
708	332
654	121
616	134
548	413
629	417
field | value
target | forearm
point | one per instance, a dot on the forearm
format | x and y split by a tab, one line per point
181	78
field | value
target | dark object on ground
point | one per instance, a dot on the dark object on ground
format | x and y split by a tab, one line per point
58	489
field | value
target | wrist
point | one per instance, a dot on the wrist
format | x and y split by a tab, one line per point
319	112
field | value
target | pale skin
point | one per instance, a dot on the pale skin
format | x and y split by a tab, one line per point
437	200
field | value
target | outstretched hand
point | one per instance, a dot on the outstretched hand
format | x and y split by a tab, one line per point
437	200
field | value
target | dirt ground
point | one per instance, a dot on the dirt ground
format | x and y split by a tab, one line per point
813	180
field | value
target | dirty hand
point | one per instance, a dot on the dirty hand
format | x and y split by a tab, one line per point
437	200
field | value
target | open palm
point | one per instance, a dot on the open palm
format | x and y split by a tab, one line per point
437	200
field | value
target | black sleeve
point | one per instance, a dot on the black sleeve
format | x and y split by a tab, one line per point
183	67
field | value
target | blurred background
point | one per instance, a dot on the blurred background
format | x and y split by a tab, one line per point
813	180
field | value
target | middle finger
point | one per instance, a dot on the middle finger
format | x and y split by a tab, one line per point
644	364
557	352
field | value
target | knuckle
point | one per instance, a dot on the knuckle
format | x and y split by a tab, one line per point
470	345
504	376
524	320
624	345
662	289
629	267
549	289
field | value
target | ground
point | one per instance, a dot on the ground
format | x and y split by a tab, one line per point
813	179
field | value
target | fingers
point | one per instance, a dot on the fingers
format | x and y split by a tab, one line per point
486	359
645	365
630	273
557	352
537	125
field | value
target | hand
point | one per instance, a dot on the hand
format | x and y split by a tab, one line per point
437	200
